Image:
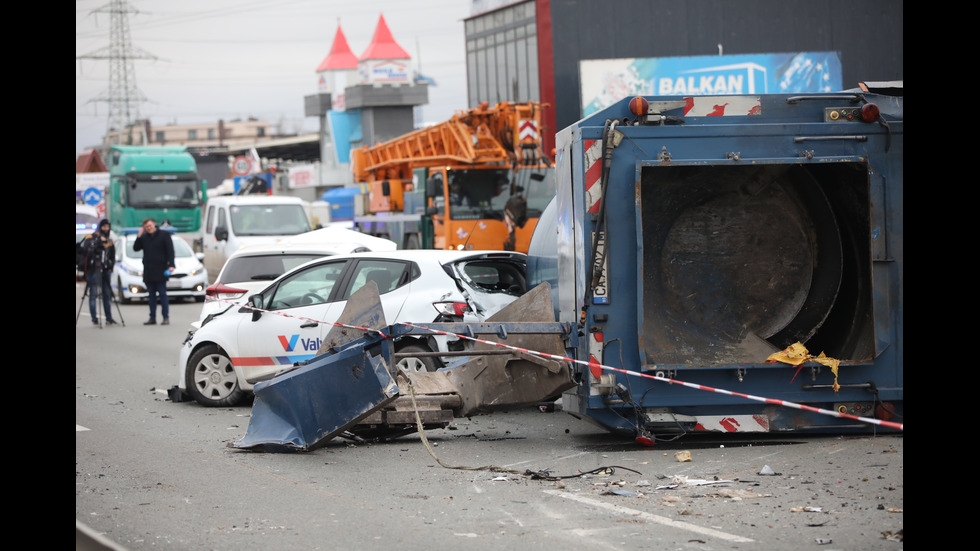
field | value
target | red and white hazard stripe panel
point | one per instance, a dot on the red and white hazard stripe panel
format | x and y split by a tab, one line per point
593	172
733	423
720	106
527	130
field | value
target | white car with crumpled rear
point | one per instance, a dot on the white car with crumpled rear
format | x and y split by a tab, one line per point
220	362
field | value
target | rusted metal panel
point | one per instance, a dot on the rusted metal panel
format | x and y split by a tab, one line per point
363	310
504	382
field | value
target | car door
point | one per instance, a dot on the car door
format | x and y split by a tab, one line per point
214	258
294	320
391	276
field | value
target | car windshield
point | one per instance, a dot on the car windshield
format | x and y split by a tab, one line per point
181	248
179	191
263	267
269	219
480	193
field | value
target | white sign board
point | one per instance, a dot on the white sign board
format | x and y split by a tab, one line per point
303	176
85	180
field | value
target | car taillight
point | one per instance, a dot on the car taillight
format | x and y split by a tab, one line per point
451	308
218	290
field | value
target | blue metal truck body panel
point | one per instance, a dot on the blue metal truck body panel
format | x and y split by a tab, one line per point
729	229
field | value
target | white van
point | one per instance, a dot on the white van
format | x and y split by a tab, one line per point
233	222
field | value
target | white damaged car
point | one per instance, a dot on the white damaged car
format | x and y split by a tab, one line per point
220	362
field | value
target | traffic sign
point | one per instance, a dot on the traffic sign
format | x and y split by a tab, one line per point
242	166
92	196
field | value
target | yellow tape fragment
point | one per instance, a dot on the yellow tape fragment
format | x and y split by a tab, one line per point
797	354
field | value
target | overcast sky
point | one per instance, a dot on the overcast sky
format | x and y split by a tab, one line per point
229	59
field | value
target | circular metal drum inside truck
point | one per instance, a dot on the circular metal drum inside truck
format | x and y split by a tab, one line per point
736	261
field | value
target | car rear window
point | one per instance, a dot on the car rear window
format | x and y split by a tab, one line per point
262	268
495	275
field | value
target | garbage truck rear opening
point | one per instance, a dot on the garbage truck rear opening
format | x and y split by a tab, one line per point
699	238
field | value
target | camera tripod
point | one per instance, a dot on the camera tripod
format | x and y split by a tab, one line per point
99	301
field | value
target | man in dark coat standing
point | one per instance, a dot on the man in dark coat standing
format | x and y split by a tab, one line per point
158	263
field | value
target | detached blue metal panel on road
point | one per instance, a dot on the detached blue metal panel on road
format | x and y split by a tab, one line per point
308	406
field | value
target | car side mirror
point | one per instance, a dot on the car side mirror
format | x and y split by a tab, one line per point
221	233
247	309
433	185
255	301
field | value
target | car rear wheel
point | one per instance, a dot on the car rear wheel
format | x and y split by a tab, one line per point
211	379
416	363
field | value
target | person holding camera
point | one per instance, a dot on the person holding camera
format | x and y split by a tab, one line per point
100	256
158	263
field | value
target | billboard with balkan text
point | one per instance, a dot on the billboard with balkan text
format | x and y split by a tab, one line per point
605	81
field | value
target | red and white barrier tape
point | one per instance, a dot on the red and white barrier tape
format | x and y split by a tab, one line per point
594	365
284	315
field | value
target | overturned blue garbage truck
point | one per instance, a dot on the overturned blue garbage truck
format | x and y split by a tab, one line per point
698	238
713	263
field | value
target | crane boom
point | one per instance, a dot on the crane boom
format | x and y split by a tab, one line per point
505	134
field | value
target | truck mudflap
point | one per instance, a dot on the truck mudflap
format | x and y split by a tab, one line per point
351	385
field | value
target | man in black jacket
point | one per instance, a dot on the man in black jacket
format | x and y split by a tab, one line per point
158	263
100	256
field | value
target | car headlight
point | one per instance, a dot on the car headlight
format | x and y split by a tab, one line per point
133	271
197	271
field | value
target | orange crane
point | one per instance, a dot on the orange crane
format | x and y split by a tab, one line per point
477	181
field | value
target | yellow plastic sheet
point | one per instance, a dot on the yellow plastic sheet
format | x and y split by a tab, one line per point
797	354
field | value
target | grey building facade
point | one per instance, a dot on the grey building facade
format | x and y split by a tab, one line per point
518	49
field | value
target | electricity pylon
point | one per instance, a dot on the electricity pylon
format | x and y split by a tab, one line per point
123	96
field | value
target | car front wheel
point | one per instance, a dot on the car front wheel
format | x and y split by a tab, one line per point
211	379
122	292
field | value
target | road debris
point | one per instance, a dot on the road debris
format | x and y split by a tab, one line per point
736	494
894	536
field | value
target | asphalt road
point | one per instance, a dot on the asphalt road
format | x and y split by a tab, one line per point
152	474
